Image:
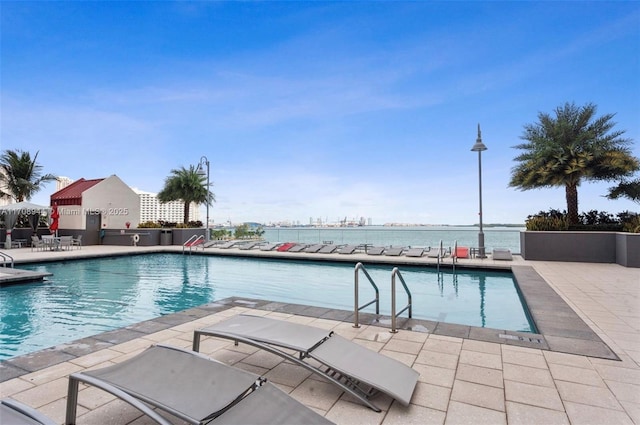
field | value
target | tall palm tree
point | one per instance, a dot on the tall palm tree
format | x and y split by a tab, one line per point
20	176
571	147
188	186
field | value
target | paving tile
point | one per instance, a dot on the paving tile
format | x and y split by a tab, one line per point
576	374
346	413
584	414
320	394
523	358
51	373
115	412
579	346
534	395
480	375
435	375
405	358
413	414
478	395
618	374
633	410
288	374
567	359
437	359
12	386
524	414
442	346
96	358
586	394
624	391
403	346
528	375
431	396
467	414
481	346
263	359
43	394
493	361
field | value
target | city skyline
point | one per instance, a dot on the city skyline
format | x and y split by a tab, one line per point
315	109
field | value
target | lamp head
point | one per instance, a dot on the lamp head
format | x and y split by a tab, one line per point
479	146
200	171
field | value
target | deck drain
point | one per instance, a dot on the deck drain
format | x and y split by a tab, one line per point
520	338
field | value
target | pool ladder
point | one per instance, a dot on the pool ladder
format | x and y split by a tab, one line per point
6	259
395	273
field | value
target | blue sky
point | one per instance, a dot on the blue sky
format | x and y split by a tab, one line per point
315	109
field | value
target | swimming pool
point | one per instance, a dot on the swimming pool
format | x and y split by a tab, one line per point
86	297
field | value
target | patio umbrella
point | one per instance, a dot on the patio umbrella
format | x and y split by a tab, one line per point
12	211
54	219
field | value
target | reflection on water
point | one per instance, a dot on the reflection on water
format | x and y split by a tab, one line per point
86	297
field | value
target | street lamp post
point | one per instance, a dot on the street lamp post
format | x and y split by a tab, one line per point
479	147
205	161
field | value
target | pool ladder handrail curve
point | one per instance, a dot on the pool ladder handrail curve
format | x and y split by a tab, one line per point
360	267
6	258
396	272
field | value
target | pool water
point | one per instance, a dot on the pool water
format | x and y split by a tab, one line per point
86	297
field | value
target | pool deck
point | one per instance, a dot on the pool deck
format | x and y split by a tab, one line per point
463	379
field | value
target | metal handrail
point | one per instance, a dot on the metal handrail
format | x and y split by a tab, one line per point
454	255
396	272
6	258
356	308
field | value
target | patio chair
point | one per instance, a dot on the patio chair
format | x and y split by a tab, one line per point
193	388
268	246
66	242
375	250
328	249
414	252
354	368
348	249
394	251
314	248
435	252
36	243
77	241
15	413
298	247
250	245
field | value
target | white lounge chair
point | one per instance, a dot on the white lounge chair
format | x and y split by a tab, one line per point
356	369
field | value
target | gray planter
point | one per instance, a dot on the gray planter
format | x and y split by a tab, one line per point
587	247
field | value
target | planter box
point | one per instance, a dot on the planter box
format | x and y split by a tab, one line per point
587	247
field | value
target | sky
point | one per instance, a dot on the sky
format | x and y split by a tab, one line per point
310	110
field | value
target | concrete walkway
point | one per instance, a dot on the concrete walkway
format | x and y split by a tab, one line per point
461	380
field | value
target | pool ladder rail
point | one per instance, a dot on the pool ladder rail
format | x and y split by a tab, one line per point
6	259
395	273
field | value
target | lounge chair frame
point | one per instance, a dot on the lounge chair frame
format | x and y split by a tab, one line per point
354	386
11	410
245	390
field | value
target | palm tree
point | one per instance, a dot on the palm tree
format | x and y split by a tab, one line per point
572	147
20	176
629	189
188	186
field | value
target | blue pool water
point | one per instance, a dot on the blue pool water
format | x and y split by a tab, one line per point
86	297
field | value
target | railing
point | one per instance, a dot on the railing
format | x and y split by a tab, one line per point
394	315
193	241
454	255
6	258
356	308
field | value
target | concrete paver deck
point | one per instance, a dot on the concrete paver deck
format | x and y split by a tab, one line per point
461	380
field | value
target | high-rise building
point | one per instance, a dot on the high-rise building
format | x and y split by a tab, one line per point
151	209
62	182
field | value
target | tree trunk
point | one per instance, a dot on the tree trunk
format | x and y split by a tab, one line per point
186	212
571	193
